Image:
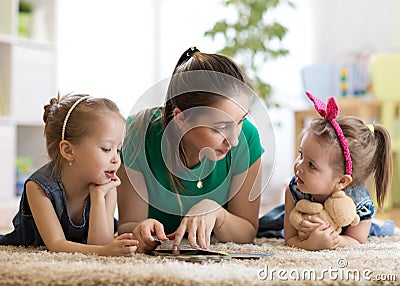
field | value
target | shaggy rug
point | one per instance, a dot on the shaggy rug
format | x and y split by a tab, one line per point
374	263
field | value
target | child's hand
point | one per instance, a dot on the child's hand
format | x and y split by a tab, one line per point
105	188
324	237
122	245
308	225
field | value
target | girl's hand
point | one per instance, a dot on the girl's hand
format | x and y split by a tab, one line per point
104	188
146	232
308	225
198	223
122	245
324	237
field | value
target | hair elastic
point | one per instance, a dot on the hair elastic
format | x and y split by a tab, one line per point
69	114
330	111
186	56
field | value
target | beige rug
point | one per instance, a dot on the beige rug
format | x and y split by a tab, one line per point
374	263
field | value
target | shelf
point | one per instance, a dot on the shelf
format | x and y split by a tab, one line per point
8	14
7	166
5	120
31	43
37	25
6	39
8	120
27	82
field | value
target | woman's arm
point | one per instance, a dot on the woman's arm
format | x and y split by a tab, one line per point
240	222
52	233
132	206
133	210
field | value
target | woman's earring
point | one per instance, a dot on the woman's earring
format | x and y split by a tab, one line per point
70	163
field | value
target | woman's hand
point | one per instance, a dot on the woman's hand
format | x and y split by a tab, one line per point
146	232
199	222
308	225
122	245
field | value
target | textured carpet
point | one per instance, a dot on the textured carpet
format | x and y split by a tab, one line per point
374	263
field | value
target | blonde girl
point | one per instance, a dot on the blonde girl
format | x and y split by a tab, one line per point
68	204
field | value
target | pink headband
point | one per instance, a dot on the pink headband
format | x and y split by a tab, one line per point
329	112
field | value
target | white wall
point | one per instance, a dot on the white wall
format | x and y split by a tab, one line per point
106	48
346	26
120	48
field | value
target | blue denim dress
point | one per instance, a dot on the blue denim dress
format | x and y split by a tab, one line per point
271	224
25	231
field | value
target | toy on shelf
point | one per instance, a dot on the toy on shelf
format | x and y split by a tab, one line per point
343	82
24	170
353	75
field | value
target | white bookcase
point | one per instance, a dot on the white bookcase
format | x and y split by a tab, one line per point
27	81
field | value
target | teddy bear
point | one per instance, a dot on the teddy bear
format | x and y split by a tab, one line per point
338	210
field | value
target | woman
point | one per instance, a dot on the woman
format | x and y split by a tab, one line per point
193	166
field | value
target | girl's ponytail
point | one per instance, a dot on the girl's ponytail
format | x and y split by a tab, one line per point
383	164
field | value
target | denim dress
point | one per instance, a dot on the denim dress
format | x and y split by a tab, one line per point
271	224
25	231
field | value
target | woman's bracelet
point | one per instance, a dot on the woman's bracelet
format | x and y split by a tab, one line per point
222	223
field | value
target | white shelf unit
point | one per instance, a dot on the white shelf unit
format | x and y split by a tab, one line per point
27	82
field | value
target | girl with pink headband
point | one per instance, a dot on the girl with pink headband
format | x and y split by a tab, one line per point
336	153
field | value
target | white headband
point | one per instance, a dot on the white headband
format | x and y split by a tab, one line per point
69	114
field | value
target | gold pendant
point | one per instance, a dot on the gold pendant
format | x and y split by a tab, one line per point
199	184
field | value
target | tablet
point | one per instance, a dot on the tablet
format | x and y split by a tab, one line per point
193	255
248	255
200	255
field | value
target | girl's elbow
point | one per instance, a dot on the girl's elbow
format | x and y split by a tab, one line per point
250	237
362	240
245	240
98	240
54	246
290	241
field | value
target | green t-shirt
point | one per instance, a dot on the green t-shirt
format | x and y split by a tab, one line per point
215	176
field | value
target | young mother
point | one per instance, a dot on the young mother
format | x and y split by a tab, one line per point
193	166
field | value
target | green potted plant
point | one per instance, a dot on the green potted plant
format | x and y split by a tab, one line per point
24	17
252	38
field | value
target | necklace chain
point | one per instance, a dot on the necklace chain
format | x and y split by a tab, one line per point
199	184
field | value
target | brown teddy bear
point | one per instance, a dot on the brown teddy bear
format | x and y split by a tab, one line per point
338	210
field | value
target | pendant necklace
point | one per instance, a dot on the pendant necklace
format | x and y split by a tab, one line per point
199	184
